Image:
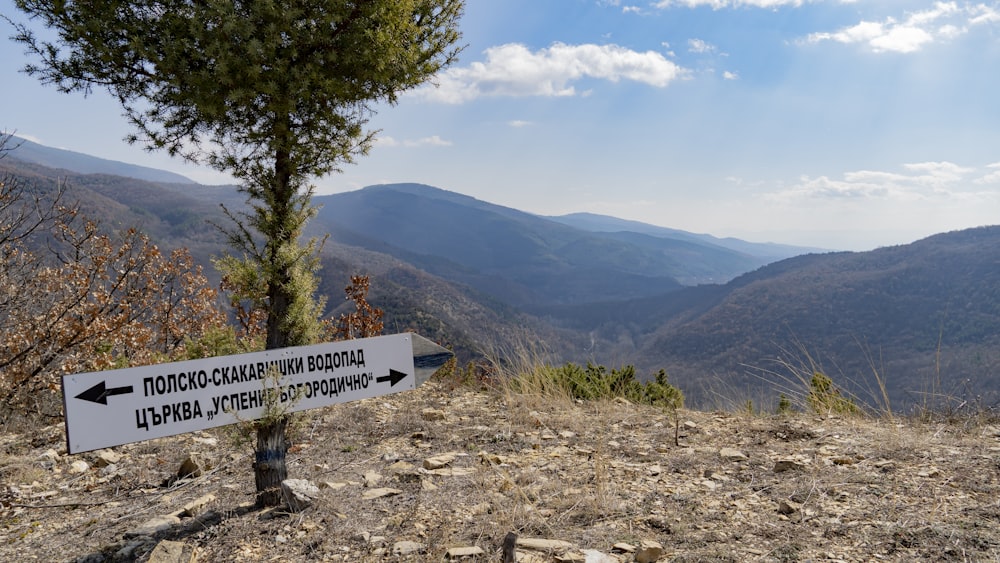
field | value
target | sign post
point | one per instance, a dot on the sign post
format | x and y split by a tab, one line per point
115	407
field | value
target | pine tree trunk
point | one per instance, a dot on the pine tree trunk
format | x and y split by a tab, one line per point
269	468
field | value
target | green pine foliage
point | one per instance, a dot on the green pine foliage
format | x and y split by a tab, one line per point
784	405
824	397
595	382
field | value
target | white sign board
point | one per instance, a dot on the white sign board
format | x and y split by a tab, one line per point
110	408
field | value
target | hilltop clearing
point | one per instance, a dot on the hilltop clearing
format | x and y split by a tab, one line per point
414	475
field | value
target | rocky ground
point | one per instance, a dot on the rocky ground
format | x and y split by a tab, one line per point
447	473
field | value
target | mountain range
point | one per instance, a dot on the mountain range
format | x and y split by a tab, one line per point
80	163
726	318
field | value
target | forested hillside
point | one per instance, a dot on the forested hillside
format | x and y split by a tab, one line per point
925	317
921	319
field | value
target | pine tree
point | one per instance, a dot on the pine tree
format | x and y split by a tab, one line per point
274	92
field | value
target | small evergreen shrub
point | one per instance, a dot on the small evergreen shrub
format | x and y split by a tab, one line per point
595	382
784	405
824	397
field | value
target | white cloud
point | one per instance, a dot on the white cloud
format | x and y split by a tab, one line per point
943	21
901	39
982	14
517	123
940	171
730	75
700	46
922	181
992	177
514	70
719	4
432	141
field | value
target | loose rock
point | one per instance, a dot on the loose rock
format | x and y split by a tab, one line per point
540	544
299	494
407	548
173	552
192	466
732	454
461	552
648	551
153	525
378	493
439	461
79	466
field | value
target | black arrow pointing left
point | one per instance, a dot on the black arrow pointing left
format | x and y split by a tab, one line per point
99	393
393	378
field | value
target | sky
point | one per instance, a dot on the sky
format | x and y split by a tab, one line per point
837	124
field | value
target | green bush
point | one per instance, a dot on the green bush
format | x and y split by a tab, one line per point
784	405
824	397
596	382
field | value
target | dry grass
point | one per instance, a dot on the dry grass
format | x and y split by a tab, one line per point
540	465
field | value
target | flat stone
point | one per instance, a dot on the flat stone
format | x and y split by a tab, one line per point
371	478
622	547
79	466
433	414
540	544
453	471
594	556
153	525
648	551
106	458
789	464
407	548
439	461
460	552
197	506
929	472
402	467
173	552
299	493
732	454
379	493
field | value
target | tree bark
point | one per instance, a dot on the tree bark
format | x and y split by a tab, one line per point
272	442
269	467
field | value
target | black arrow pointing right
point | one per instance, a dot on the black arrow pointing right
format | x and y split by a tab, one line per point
99	393
393	378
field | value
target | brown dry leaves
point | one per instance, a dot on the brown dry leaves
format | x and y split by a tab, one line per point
77	298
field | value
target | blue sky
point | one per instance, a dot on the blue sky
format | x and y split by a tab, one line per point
831	123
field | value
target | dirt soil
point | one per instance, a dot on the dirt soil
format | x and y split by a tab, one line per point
414	475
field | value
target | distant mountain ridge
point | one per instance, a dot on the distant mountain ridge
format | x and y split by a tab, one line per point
924	316
28	151
606	223
522	258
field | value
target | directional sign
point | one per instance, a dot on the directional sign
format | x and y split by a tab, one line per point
110	408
